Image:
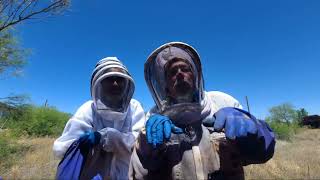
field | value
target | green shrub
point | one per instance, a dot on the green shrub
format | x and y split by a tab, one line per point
282	130
47	121
37	121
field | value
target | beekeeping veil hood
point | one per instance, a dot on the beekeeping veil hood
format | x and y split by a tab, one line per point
154	71
105	68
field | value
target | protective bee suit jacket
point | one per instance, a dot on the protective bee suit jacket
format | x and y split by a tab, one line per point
110	159
204	155
178	156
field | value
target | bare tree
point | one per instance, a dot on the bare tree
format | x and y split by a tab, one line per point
15	11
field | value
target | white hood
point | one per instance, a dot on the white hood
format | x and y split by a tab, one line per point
103	70
154	70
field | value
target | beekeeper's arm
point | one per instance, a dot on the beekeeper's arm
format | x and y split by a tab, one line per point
77	125
113	140
145	159
149	151
255	139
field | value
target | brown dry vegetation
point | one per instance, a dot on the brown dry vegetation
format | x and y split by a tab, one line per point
299	159
37	163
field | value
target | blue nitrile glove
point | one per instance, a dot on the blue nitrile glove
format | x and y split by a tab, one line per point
236	122
254	137
159	128
97	177
89	139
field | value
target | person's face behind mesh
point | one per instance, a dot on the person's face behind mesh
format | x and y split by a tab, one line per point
114	89
180	79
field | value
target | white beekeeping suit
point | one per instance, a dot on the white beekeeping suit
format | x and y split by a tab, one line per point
118	127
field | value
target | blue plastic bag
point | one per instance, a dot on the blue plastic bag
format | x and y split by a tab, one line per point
71	165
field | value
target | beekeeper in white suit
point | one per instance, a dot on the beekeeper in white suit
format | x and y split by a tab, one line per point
192	133
111	120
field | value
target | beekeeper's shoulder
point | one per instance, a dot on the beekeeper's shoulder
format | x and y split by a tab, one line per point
222	98
134	104
84	112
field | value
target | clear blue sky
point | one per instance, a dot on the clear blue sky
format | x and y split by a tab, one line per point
267	50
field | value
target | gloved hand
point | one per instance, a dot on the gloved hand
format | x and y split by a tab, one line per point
235	122
89	139
159	128
255	138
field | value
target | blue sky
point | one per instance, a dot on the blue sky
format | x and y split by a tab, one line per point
267	50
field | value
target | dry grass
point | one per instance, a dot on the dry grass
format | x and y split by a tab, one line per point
299	159
38	163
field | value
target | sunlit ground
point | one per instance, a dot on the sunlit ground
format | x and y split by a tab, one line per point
292	160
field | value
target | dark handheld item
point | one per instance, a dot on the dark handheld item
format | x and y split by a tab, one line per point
184	114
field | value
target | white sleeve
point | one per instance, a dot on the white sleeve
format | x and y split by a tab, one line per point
136	169
221	100
215	100
113	140
79	123
138	119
